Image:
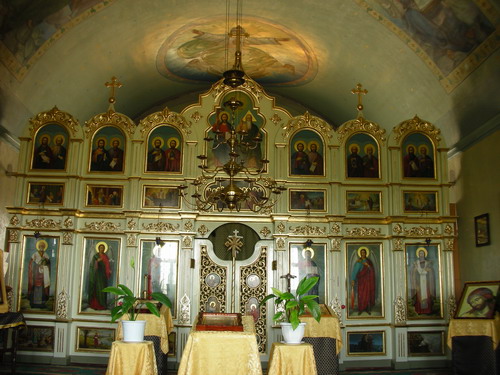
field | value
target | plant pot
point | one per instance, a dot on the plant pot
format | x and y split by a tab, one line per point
291	336
133	330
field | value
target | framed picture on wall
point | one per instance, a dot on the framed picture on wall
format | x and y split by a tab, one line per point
160	197
104	196
36	338
50	148
306	154
94	339
365	281
39	274
479	300
307	200
426	343
366	343
42	193
108	150
420	201
363	201
309	260
482	229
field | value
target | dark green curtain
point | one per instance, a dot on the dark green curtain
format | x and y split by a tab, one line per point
220	235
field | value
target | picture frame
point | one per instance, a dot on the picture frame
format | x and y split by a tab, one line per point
307	152
423	281
426	343
50	148
365	289
362	157
36	338
307	200
366	343
165	150
418	156
104	196
155	196
94	339
420	201
479	300
100	260
159	267
364	202
107	151
482	230
42	193
309	260
38	286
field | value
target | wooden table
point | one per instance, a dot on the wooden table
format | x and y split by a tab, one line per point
286	359
132	358
221	352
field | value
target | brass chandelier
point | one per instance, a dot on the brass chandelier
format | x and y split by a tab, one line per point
232	185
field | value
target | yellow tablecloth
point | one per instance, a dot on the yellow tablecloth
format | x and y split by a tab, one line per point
155	326
128	358
475	327
327	327
221	352
291	360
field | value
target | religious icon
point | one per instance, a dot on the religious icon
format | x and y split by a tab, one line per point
159	268
308	260
366	343
420	201
365	281
252	308
479	300
418	156
423	284
363	201
309	200
50	148
164	152
306	154
93	339
362	156
99	271
39	275
160	197
36	338
107	152
45	193
98	195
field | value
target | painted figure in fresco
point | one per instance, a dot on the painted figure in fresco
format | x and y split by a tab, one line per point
173	157
99	275
100	157
482	303
354	163
370	163
156	157
309	268
250	150
39	276
423	283
300	160
315	160
115	156
410	163
222	130
425	163
58	153
43	155
363	282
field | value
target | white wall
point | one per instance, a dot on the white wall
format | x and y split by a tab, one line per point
8	164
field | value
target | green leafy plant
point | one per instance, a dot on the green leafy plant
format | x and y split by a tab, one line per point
296	303
131	305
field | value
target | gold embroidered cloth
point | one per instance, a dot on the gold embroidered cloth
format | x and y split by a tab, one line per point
155	326
327	327
222	352
475	327
291	359
132	358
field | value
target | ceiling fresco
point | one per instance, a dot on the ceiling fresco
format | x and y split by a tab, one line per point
271	54
452	37
29	27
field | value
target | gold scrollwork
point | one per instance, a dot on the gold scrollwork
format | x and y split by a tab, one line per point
307	121
421	231
196	116
54	115
280	243
185	311
203	230
448	229
265	232
397	244
102	226
416	125
336	307
207	267
14	221
13	235
281	228
275	119
160	227
397	229
336	229
400	312
363	232
131	239
131	224
165	117
67	238
109	118
336	244
188	226
62	305
68	223
308	230
44	223
360	125
452	306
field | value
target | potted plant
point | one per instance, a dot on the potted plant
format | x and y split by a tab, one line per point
295	306
131	305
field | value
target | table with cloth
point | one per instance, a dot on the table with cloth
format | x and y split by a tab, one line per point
222	352
132	358
326	339
11	321
287	359
157	330
475	346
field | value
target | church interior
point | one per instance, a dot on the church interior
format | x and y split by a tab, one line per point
212	151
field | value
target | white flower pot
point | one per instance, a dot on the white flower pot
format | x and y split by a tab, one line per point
133	330
292	336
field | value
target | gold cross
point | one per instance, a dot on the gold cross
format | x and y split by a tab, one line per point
360	92
113	85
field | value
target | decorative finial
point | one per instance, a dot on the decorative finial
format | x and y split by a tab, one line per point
359	92
113	85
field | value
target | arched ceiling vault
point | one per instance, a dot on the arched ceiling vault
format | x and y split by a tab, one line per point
434	58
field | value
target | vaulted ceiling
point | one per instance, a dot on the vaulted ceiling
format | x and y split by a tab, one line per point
438	59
